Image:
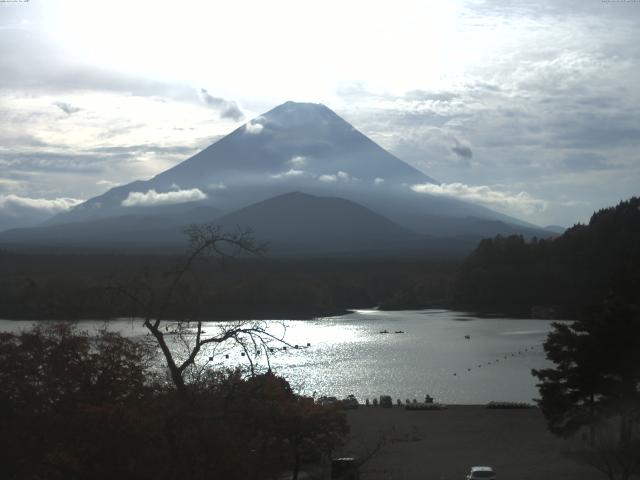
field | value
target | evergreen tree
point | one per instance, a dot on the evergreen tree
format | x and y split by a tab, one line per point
597	371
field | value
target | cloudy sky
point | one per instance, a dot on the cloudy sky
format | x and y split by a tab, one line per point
530	108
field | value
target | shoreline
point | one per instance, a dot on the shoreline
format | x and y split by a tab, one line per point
305	316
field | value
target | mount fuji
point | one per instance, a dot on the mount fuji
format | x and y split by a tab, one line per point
341	177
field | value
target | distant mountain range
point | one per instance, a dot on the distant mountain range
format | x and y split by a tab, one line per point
305	180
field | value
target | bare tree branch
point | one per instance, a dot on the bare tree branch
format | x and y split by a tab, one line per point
156	303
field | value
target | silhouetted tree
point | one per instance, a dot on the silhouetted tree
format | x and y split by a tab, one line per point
571	392
78	406
154	301
261	420
596	381
285	425
70	405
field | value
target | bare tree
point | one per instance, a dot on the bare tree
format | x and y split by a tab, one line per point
154	303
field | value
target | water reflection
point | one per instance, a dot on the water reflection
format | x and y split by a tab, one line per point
471	361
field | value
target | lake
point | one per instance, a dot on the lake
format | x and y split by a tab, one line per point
349	355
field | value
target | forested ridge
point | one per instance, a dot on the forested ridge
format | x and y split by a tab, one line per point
67	287
555	277
559	276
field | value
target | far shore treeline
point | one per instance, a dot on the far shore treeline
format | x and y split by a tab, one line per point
63	287
560	277
554	278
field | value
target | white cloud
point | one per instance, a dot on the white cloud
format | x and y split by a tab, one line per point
298	161
327	178
378	181
12	203
217	186
290	173
253	128
151	198
334	177
107	183
520	202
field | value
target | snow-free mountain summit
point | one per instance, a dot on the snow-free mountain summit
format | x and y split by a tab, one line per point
295	147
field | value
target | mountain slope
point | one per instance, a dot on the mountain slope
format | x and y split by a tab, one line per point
295	146
300	147
292	225
302	137
134	232
296	223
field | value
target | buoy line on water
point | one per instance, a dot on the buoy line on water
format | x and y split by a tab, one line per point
504	357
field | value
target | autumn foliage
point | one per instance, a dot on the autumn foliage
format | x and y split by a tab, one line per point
75	406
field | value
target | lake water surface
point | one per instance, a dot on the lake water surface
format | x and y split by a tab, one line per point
349	355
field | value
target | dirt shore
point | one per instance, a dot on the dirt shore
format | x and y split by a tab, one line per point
442	445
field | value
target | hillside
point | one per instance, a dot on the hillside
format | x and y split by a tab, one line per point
296	224
579	268
141	232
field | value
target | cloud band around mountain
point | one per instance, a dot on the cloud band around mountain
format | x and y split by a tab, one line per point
15	203
520	202
152	198
289	173
330	177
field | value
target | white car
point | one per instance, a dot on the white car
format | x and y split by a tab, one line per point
485	473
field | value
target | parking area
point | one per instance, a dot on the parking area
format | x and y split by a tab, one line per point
443	444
